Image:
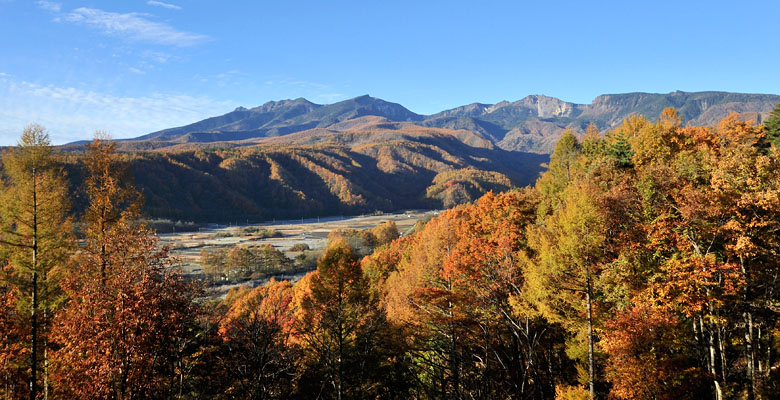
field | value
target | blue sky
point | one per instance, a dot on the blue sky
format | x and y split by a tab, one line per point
133	67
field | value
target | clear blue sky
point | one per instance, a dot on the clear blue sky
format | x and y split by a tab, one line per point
132	67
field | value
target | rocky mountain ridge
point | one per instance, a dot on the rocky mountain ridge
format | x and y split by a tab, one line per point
295	158
531	124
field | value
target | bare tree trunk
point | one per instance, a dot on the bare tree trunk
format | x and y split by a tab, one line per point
45	371
759	351
750	358
747	316
44	328
722	348
454	359
45	339
591	366
340	371
768	357
34	311
34	344
711	359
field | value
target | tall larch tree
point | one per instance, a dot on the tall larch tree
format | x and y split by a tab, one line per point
454	290
564	167
257	360
129	314
36	239
562	278
430	304
341	330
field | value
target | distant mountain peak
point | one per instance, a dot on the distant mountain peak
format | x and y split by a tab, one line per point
539	97
367	105
532	123
497	106
367	99
282	104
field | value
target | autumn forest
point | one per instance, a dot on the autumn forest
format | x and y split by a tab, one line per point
644	263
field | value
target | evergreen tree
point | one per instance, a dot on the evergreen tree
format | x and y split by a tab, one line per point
36	238
620	152
564	167
772	126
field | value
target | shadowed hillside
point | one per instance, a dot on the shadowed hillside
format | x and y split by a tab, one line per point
294	158
320	172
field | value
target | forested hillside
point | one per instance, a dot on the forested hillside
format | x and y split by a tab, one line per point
643	264
328	173
294	158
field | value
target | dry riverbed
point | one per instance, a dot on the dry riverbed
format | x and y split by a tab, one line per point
186	247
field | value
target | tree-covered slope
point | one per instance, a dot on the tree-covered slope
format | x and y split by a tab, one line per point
324	173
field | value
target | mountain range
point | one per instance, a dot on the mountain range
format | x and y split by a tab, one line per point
531	124
295	158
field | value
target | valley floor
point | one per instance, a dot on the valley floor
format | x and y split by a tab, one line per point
186	246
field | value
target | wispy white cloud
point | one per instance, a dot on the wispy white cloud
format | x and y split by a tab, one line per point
328	97
134	26
228	74
49	6
232	77
73	114
163	5
158	57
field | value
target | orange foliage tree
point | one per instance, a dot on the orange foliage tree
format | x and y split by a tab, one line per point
453	289
341	329
258	360
648	358
12	351
122	332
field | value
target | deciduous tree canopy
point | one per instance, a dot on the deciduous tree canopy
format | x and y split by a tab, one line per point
644	264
